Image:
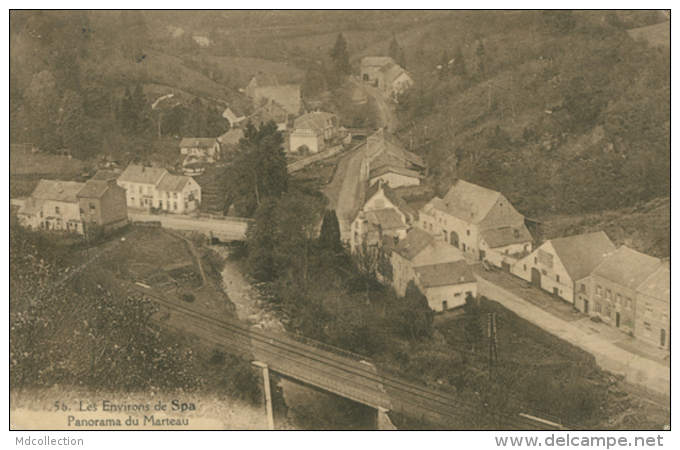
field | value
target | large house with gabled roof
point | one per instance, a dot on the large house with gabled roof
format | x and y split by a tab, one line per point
559	265
313	132
479	221
149	187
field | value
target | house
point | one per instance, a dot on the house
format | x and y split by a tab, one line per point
371	65
207	149
370	228
611	290
262	88
558	265
53	205
75	207
653	311
383	214
380	195
102	204
393	79
148	187
268	112
384	150
395	176
479	221
438	269
313	132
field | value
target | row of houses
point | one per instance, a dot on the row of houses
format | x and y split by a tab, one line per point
625	288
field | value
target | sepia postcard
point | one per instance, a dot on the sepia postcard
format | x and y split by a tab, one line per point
340	220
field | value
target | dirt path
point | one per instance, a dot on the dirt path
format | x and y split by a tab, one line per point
386	117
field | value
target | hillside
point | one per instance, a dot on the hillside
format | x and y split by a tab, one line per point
563	113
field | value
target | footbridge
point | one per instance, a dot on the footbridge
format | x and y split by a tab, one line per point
218	227
330	369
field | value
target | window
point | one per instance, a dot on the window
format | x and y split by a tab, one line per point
648	309
608	294
618	299
468	293
629	303
535	260
56	210
92	207
598	290
627	322
543	271
141	202
148	190
174	206
167	205
525	267
160	204
648	330
141	189
174	195
457	294
167	194
598	307
430	227
468	232
132	200
583	287
41	214
557	278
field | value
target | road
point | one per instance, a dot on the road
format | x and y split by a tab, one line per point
344	191
637	369
220	228
386	117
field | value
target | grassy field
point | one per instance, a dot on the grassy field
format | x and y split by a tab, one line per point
27	169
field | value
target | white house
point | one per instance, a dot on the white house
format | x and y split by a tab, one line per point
559	264
371	65
53	205
394	79
438	269
148	187
479	221
313	132
653	309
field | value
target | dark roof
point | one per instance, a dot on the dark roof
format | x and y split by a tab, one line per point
457	272
386	218
197	142
399	170
658	285
382	141
315	120
263	79
141	174
172	183
60	191
627	268
94	189
231	137
581	254
105	175
467	201
391	196
415	242
501	237
387	67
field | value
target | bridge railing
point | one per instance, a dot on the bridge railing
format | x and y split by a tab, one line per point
327	347
224	218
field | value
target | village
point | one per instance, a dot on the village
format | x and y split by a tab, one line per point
466	244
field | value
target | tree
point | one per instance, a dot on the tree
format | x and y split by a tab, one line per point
418	318
473	325
340	56
396	52
74	126
329	238
459	68
259	170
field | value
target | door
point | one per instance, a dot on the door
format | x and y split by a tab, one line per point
535	277
663	338
505	266
445	306
556	292
585	306
618	320
454	239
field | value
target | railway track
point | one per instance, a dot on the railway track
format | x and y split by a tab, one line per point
352	378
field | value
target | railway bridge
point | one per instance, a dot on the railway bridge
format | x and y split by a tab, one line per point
333	370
